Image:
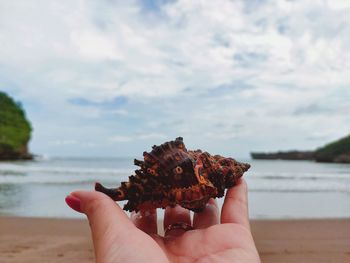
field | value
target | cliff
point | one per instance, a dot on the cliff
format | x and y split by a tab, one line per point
15	130
337	152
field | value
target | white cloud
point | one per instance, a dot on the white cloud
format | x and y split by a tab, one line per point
63	142
94	45
195	68
194	45
151	136
120	138
137	137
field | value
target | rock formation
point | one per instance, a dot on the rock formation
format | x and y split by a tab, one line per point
15	130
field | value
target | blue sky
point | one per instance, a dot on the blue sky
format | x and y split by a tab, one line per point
112	78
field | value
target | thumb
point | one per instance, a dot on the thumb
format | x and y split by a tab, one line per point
108	222
235	207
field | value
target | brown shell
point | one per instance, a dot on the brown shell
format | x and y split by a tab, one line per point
171	175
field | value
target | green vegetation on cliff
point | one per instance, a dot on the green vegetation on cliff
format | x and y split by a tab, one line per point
15	129
338	151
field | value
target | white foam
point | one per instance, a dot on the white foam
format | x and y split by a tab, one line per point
87	171
67	179
299	175
23	169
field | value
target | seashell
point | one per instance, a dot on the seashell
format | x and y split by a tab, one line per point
171	175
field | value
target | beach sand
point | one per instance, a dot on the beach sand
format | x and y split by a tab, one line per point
68	240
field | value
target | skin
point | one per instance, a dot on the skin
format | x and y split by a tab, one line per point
215	238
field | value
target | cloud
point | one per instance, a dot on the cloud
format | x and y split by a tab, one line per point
144	71
115	102
63	142
136	137
151	136
312	109
120	138
95	45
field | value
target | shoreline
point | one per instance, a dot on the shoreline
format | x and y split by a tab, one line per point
68	240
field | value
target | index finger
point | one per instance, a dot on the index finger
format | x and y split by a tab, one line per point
235	207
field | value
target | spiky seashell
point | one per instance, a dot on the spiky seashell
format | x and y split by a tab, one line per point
171	175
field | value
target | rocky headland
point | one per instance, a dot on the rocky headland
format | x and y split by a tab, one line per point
334	152
15	130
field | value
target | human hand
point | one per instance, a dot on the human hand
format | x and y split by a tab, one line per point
117	238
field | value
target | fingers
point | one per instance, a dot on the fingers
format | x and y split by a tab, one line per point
173	216
106	219
235	207
209	217
145	221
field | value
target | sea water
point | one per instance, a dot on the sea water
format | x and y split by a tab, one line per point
277	189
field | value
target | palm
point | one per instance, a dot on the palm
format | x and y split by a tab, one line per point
229	242
215	243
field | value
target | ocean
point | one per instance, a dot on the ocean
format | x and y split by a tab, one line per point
277	189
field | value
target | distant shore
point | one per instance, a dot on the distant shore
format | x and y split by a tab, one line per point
333	152
290	155
68	240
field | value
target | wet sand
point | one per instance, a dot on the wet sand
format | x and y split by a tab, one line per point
68	240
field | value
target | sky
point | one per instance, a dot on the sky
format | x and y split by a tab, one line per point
112	78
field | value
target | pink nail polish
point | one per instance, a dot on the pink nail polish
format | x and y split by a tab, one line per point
73	202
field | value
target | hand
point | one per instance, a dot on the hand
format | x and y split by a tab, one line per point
117	238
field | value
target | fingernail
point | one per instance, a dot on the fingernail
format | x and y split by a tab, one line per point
73	202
